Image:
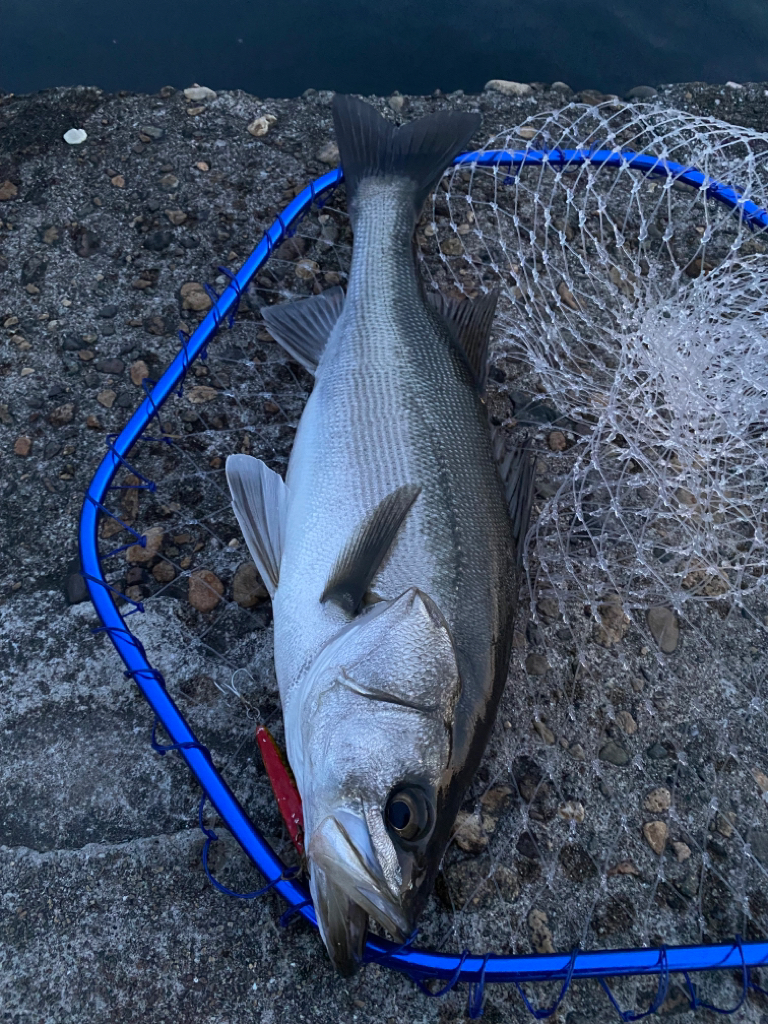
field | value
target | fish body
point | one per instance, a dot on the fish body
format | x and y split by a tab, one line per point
391	551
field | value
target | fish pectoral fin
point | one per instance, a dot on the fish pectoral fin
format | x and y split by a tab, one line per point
517	468
471	320
303	327
359	562
260	500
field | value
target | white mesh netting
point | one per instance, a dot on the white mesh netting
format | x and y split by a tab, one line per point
621	800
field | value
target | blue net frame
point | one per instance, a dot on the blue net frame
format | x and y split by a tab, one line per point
422	966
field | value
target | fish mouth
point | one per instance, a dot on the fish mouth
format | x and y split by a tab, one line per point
348	886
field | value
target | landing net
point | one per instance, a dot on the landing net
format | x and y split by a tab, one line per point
621	806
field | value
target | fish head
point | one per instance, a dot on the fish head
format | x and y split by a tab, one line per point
376	736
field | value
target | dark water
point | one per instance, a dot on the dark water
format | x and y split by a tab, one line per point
375	46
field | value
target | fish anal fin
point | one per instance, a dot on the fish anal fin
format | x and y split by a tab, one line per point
303	327
359	562
259	499
471	321
517	468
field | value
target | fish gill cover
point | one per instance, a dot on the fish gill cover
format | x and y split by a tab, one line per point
621	801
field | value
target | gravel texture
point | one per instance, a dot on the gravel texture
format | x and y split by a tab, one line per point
105	913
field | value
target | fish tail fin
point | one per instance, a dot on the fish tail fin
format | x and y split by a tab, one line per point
370	146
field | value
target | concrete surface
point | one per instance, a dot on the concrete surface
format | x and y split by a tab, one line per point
105	913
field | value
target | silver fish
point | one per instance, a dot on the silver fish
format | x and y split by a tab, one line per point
391	551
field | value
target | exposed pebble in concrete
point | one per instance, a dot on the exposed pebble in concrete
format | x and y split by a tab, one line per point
247	587
62	415
75	136
469	834
201	393
195	297
682	851
145	553
199	92
139	371
495	799
624	867
557	443
655	833
329	154
106	398
658	800
508	88
164	572
261	125
664	628
614	622
641	92
541	934
545	732
205	590
567	296
571	810
536	665
613	753
626	722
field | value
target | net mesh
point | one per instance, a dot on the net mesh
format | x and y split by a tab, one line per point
621	801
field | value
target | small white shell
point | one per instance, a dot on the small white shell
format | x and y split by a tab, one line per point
75	136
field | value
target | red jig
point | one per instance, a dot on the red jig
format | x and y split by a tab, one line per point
283	786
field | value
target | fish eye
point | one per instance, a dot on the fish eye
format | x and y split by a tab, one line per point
407	813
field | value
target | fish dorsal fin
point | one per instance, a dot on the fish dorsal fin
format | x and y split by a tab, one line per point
517	468
259	498
471	319
303	327
359	562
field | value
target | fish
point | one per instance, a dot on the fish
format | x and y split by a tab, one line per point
391	551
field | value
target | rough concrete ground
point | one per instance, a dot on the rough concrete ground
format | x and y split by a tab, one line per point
105	913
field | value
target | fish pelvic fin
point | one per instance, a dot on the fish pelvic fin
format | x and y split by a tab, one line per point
370	146
360	560
302	328
517	468
471	321
260	501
